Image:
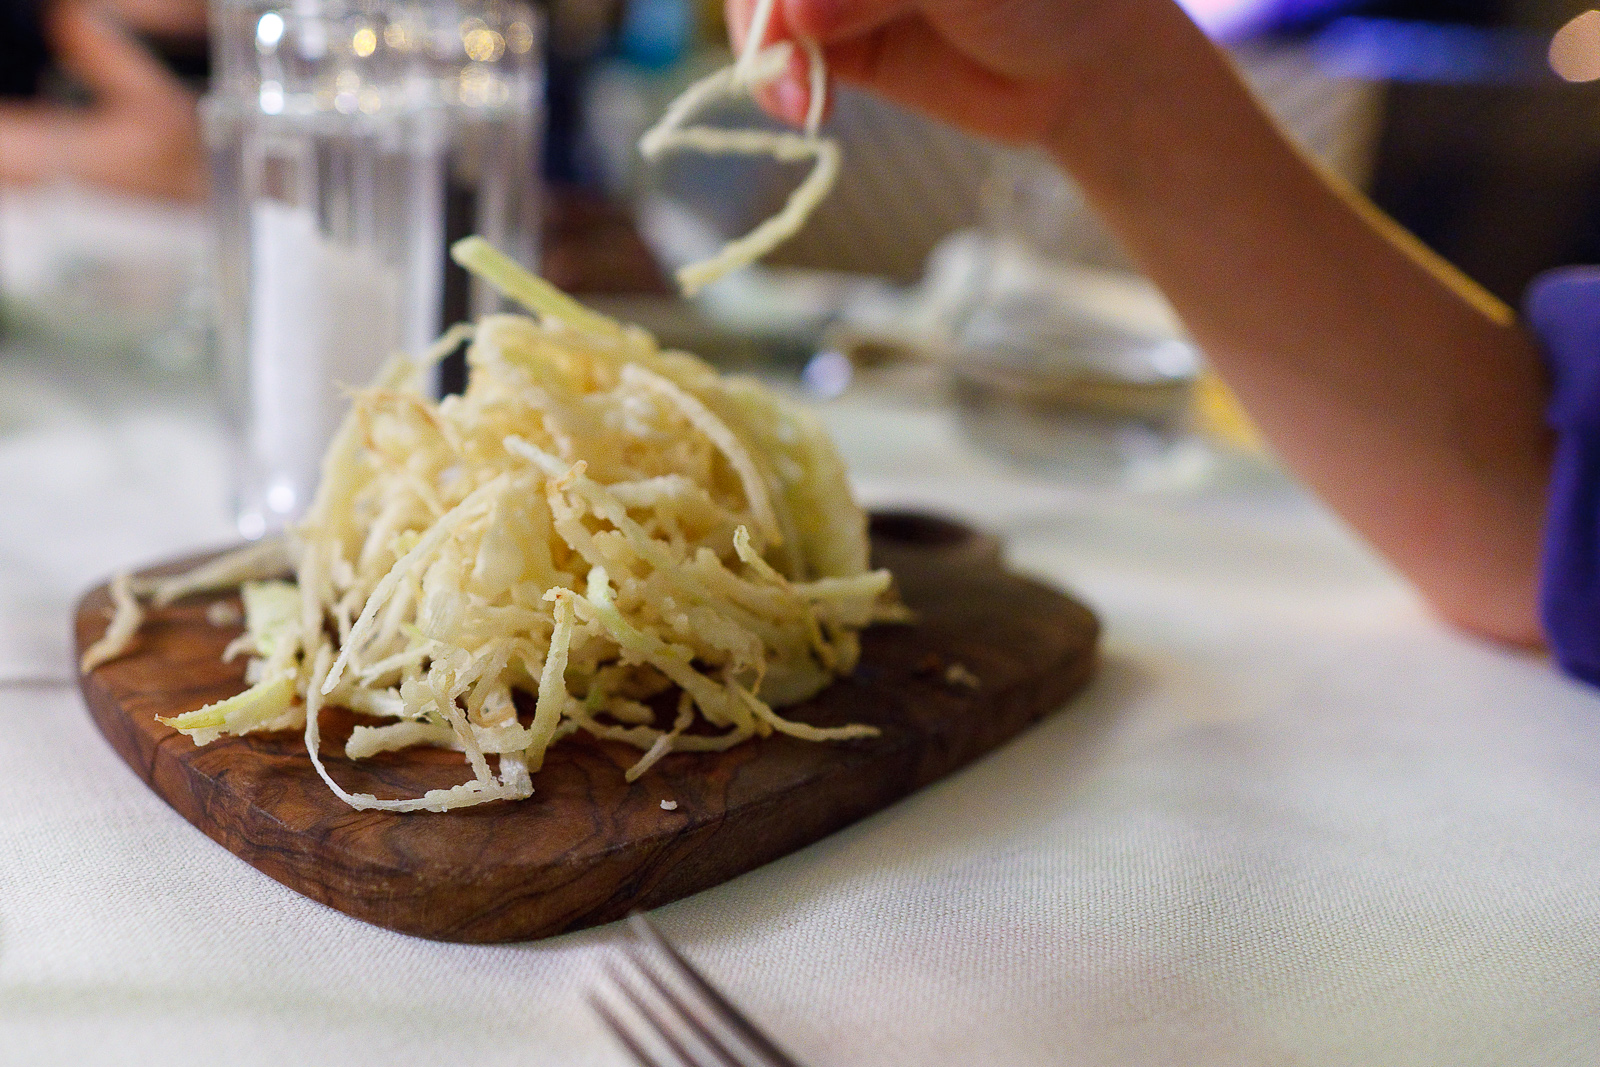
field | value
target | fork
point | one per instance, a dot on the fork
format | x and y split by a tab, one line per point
674	1008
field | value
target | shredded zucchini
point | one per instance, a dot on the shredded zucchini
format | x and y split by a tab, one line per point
595	524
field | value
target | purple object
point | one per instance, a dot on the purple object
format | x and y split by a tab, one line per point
1563	309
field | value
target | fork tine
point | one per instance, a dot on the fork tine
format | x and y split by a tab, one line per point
622	1033
720	1055
645	970
726	1012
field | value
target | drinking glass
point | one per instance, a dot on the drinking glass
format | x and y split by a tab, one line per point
351	141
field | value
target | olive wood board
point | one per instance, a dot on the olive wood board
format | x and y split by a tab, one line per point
588	847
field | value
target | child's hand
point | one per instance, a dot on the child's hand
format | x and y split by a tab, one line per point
1001	68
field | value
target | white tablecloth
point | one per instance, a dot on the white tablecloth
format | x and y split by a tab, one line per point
1295	821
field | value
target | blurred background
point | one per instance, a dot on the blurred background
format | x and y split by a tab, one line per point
1475	123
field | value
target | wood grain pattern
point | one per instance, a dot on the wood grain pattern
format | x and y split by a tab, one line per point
588	847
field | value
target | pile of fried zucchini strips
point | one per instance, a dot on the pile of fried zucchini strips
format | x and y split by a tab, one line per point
595	523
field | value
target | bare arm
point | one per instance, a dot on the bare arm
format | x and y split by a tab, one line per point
1395	387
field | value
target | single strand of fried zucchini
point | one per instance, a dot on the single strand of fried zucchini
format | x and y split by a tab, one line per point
531	291
803	731
448	342
268	558
370	740
774	231
733	450
552	680
756	67
126	619
238	714
663	744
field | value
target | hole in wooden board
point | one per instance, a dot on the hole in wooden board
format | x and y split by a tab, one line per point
918	529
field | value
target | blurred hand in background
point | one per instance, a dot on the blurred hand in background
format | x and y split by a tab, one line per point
137	131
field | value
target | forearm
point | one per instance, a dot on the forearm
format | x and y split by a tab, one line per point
1407	397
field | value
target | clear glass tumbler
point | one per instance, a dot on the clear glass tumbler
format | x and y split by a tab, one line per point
351	142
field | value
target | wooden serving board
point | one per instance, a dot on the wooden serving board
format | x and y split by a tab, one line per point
588	846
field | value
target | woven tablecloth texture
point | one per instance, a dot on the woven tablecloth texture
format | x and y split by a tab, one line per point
1294	821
